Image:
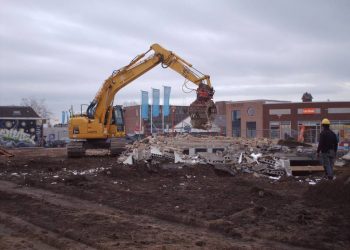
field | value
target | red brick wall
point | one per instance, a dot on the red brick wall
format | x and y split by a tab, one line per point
294	117
245	117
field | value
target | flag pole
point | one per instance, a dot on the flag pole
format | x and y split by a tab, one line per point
140	115
152	117
163	118
163	113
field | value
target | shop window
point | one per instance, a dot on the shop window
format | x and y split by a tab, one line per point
279	111
236	115
236	123
342	129
338	110
309	131
280	130
274	130
251	129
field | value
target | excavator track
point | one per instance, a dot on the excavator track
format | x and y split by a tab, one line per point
75	149
117	146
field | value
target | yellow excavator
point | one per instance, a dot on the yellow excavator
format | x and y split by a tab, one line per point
103	124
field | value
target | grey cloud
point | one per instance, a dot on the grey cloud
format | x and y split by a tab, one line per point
63	51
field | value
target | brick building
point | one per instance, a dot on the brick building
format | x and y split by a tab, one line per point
220	118
245	118
283	119
290	119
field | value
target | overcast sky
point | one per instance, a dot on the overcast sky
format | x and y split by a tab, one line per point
63	50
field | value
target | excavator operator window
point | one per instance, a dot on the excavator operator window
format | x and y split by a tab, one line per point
118	118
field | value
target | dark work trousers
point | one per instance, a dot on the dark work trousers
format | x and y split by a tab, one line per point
328	159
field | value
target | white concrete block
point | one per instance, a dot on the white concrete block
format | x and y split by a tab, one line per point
128	160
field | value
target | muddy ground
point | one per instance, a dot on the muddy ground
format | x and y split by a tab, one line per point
50	202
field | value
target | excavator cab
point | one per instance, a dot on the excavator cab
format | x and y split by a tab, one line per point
118	118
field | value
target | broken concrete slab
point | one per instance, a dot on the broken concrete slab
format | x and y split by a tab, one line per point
128	160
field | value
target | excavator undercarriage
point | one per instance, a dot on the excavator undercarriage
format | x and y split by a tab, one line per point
78	148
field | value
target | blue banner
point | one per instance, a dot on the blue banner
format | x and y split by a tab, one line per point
166	100
63	117
144	104
155	102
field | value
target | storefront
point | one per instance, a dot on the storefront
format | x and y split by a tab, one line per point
342	130
302	120
280	129
309	131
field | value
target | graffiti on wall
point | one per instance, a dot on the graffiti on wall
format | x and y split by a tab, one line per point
14	137
20	133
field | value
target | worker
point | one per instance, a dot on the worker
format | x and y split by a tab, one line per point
327	146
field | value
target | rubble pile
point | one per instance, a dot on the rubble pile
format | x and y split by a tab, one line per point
346	159
232	155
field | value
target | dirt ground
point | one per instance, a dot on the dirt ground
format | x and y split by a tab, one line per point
50	202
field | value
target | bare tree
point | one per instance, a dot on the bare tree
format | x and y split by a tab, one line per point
38	105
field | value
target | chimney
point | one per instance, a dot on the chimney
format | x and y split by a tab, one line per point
307	97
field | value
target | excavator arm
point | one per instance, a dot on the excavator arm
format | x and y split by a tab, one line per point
201	111
101	126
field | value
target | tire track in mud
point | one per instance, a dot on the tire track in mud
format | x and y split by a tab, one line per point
23	235
103	227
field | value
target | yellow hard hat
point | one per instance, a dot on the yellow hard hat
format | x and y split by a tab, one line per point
325	121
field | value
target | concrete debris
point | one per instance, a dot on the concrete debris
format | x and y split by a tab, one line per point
177	158
231	155
344	161
275	177
346	157
240	158
255	157
128	160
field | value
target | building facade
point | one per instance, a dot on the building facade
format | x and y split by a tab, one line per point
303	120
245	118
20	127
220	118
283	119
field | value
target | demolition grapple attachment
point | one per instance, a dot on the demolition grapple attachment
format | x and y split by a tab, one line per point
203	110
